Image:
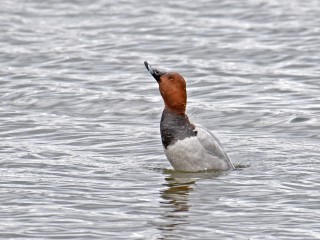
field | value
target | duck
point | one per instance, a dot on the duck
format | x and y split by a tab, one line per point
188	147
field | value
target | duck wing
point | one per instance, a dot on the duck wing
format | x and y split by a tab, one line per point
212	144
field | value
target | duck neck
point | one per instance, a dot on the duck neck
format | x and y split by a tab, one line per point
178	111
174	117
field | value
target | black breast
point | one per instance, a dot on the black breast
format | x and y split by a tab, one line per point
174	127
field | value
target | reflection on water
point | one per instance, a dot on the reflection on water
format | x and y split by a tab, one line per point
175	198
177	192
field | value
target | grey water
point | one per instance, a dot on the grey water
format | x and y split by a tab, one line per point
80	148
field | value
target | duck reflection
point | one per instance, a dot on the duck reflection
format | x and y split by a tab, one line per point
175	198
178	187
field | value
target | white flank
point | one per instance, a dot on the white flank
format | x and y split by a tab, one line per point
198	153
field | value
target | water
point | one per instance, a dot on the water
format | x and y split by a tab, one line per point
81	156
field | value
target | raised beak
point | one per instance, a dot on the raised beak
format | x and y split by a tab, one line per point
154	72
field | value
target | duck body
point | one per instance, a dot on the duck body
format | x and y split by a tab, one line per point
188	147
191	147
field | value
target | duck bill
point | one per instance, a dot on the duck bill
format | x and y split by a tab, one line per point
154	72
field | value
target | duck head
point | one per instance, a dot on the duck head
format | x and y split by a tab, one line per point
172	88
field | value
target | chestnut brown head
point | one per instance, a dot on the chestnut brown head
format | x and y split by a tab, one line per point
172	87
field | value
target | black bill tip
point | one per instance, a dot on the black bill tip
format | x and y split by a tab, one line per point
154	72
146	64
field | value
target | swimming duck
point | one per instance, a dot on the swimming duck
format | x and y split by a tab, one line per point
188	147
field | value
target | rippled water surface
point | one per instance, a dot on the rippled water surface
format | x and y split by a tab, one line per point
80	149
